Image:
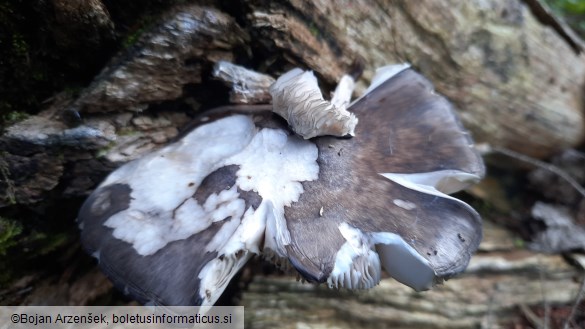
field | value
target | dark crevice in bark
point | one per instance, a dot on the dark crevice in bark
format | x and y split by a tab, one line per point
545	16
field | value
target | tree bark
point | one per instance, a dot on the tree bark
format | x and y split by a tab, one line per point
517	83
515	77
501	282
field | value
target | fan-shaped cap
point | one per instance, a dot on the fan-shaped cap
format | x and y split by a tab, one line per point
384	192
174	226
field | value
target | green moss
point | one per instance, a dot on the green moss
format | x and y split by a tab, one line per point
73	91
35	66
572	11
314	30
128	131
569	6
132	38
144	24
39	76
22	249
9	232
19	45
46	243
6	179
17	91
104	150
519	243
13	117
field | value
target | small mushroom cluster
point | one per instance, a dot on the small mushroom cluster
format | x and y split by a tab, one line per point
175	226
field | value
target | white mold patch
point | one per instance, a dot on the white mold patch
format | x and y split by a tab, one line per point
274	164
162	207
407	205
235	248
148	232
342	95
216	275
172	168
222	236
277	236
225	204
357	266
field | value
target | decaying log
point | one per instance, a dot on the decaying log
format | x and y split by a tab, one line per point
70	134
489	295
163	61
512	78
247	86
517	83
89	18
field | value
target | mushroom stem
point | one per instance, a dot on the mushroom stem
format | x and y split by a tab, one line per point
297	98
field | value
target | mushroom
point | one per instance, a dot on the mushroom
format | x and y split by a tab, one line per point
175	226
297	98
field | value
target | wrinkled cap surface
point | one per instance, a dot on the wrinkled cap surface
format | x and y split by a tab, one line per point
175	226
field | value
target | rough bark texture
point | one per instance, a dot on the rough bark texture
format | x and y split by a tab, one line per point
517	83
514	74
163	62
493	59
499	281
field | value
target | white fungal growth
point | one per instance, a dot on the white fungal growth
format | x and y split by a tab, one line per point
359	261
407	205
263	156
342	95
236	245
297	98
357	266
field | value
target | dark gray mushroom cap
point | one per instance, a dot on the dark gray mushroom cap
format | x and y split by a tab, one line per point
388	185
175	226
